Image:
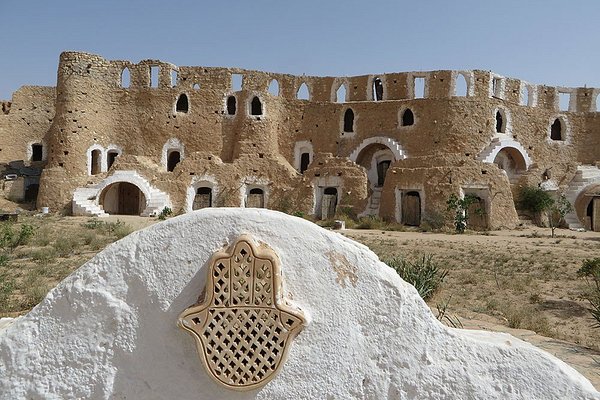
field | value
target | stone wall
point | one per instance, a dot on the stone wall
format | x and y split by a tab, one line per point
132	109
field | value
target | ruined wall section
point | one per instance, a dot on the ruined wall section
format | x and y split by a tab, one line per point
437	184
96	108
24	121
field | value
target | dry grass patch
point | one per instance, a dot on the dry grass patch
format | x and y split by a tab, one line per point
37	252
524	280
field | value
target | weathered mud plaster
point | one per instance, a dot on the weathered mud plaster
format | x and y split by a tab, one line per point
100	103
110	329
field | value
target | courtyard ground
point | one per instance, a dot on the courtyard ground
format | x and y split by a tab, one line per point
522	282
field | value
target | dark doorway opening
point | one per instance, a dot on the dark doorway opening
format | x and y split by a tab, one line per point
231	105
556	130
377	89
499	122
37	152
349	121
173	159
122	198
382	168
408	118
95	162
110	158
256	106
304	162
203	198
182	104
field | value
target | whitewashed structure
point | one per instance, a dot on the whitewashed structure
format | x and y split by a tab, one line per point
110	329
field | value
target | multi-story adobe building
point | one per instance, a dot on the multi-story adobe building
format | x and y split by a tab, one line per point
122	138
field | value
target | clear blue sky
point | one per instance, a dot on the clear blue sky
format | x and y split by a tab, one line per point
553	42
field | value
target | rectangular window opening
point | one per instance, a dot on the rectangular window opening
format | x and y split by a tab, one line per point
154	71
419	88
236	82
564	99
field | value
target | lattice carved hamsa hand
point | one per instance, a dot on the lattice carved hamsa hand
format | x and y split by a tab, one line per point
244	326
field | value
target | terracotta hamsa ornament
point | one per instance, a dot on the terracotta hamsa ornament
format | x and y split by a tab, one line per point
244	326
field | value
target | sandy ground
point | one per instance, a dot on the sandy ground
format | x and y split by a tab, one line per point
522	282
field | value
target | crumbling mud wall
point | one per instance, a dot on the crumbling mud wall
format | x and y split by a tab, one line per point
236	131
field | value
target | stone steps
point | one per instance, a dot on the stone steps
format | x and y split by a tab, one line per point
85	200
585	176
373	203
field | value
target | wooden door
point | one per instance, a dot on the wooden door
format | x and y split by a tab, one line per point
129	199
328	204
477	215
411	209
596	214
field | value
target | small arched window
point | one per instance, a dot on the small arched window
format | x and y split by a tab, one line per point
274	87
303	93
96	166
500	122
377	89
125	78
304	162
173	159
231	105
461	89
182	104
349	120
340	94
256	106
408	118
111	156
556	130
173	78
37	152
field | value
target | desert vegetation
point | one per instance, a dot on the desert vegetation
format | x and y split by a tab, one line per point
38	251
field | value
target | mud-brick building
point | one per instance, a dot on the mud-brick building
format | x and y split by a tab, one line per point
122	138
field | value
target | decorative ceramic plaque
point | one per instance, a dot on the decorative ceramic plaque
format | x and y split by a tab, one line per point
243	327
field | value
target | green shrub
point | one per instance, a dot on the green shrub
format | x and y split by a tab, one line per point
534	199
166	212
590	270
94	223
370	222
460	207
423	273
122	230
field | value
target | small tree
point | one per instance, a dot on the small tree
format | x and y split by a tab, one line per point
460	208
557	212
540	202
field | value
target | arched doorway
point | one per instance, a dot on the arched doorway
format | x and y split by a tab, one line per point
591	215
376	158
511	161
123	198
